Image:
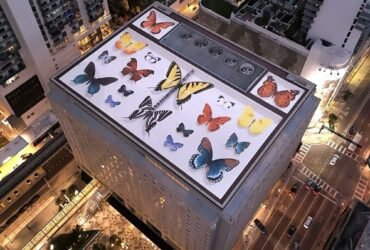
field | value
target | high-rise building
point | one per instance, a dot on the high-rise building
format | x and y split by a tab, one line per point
321	40
188	130
37	38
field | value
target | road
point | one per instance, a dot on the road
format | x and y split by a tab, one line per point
294	211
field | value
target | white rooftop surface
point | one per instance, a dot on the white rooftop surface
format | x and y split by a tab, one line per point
334	20
178	157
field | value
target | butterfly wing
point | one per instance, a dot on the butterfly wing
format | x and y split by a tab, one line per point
124	41
186	90
125	91
131	67
206	116
221	100
173	77
241	146
81	79
214	124
90	70
168	141
103	55
144	107
217	167
260	125
205	157
175	146
138	74
108	99
109	59
134	47
93	88
150	20
156	28
180	128
232	141
187	132
105	80
246	117
156	117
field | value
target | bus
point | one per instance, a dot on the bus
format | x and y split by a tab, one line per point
357	138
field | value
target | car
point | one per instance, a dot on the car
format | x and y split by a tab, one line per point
309	184
313	186
334	160
293	189
260	226
26	156
291	231
316	189
352	130
308	222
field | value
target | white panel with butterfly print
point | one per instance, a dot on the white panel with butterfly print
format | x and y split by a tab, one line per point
160	18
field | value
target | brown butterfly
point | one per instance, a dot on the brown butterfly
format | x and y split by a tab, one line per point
136	74
213	123
151	23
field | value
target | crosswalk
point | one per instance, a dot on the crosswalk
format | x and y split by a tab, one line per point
299	156
324	185
361	188
343	149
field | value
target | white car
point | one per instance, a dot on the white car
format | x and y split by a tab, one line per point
308	222
334	160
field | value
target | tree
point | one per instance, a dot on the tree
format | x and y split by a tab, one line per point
99	246
332	120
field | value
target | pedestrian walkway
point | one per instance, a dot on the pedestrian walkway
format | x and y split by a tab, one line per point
299	157
361	188
343	149
332	192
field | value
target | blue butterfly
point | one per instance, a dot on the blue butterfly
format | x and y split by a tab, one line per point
239	146
89	78
172	145
215	168
105	57
186	132
110	101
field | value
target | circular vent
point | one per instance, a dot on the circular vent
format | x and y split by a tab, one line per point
216	51
231	60
247	68
185	35
201	43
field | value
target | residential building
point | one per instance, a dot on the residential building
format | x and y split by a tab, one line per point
187	129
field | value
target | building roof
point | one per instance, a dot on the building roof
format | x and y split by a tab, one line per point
147	99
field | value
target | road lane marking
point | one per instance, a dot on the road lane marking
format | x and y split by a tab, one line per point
361	188
301	154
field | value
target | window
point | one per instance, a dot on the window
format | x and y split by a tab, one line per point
348	34
351	27
345	40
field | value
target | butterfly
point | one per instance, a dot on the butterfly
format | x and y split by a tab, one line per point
89	78
125	91
151	58
256	126
221	101
185	90
155	27
110	101
105	57
171	144
147	112
215	168
281	98
186	132
238	146
136	74
129	46
213	123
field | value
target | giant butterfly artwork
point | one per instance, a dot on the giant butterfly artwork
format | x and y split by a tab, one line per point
174	81
215	168
128	45
148	113
154	26
207	118
136	74
255	125
89	78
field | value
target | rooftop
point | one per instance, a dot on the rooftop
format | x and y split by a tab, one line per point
186	97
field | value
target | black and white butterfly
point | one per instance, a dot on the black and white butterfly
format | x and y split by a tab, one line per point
151	58
221	101
186	132
125	91
106	57
146	111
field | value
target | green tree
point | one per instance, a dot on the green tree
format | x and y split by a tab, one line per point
332	120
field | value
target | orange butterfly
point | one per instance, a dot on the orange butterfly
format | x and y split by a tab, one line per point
213	123
136	74
155	27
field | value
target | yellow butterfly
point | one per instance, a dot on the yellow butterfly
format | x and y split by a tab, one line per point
129	46
185	90
256	126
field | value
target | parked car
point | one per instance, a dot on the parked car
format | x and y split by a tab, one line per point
291	231
308	222
293	189
334	160
260	226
